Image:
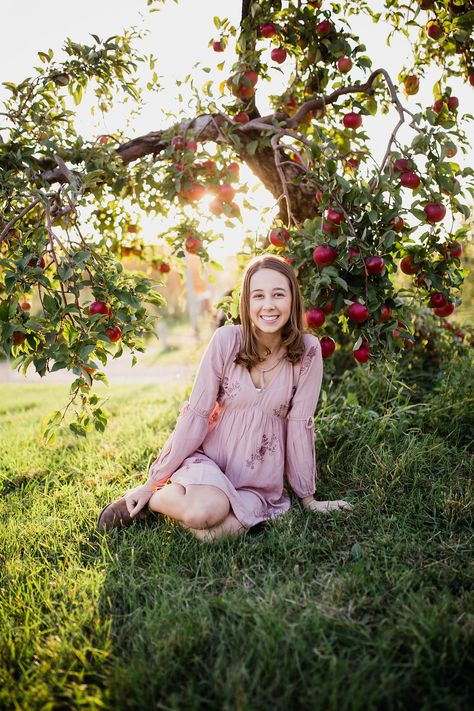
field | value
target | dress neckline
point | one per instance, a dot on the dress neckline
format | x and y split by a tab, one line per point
264	389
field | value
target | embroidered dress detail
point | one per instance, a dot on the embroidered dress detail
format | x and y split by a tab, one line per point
229	388
282	410
269	445
307	359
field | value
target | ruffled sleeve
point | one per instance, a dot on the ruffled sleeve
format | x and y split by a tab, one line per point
300	462
195	416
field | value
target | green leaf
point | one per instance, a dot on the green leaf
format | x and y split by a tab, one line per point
252	147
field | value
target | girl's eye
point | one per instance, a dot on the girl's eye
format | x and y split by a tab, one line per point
257	296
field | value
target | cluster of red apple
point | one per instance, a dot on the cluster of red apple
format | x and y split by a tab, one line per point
217	182
113	333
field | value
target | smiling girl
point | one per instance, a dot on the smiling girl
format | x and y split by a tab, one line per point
248	422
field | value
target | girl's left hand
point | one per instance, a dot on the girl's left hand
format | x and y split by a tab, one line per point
326	506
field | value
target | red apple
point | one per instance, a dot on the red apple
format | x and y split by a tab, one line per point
445	310
412	84
470	76
268	29
438	105
407	266
327	227
400	165
409	179
191	145
279	236
434	211
242	117
234	168
18	337
179	166
352	120
251	76
216	206
25	306
37	262
194	192
385	313
315	318
328	308
278	55
164	268
245	91
344	64
324	255
353	254
113	333
102	139
177	142
357	313
334	216
397	224
454	250
437	300
192	244
433	30
323	28
217	46
374	264
99	307
453	103
328	346
226	192
362	354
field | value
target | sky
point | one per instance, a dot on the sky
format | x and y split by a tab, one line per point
178	37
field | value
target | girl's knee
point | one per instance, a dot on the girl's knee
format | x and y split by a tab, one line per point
202	514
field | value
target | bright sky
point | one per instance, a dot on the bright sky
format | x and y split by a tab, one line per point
179	36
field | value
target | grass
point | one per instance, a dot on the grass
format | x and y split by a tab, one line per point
367	610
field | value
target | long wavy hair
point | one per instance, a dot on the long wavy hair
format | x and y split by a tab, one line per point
293	330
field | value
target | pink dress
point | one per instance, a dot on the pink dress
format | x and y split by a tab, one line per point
242	439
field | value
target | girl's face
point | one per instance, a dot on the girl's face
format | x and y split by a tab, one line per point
270	295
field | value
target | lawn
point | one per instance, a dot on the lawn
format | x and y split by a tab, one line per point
367	610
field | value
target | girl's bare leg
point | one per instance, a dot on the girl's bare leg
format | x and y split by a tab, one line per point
230	527
197	506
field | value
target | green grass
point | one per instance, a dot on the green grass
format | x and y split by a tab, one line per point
367	610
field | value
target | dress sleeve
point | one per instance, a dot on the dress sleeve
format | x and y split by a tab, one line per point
300	464
194	418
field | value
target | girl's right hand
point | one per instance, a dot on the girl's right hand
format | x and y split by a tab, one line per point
136	499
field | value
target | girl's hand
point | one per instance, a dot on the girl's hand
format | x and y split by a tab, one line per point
326	506
136	499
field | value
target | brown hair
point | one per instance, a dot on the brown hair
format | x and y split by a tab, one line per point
293	330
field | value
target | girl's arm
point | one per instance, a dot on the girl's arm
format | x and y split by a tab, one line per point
193	422
300	451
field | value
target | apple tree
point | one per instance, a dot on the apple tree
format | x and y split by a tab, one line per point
347	223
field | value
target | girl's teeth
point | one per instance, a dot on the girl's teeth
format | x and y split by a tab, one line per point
265	318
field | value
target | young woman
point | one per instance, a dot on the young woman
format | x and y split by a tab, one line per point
249	420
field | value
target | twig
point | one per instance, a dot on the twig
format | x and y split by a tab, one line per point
276	153
21	214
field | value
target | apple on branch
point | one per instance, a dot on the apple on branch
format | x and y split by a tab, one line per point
279	236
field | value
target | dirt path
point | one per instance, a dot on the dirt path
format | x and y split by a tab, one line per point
119	371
